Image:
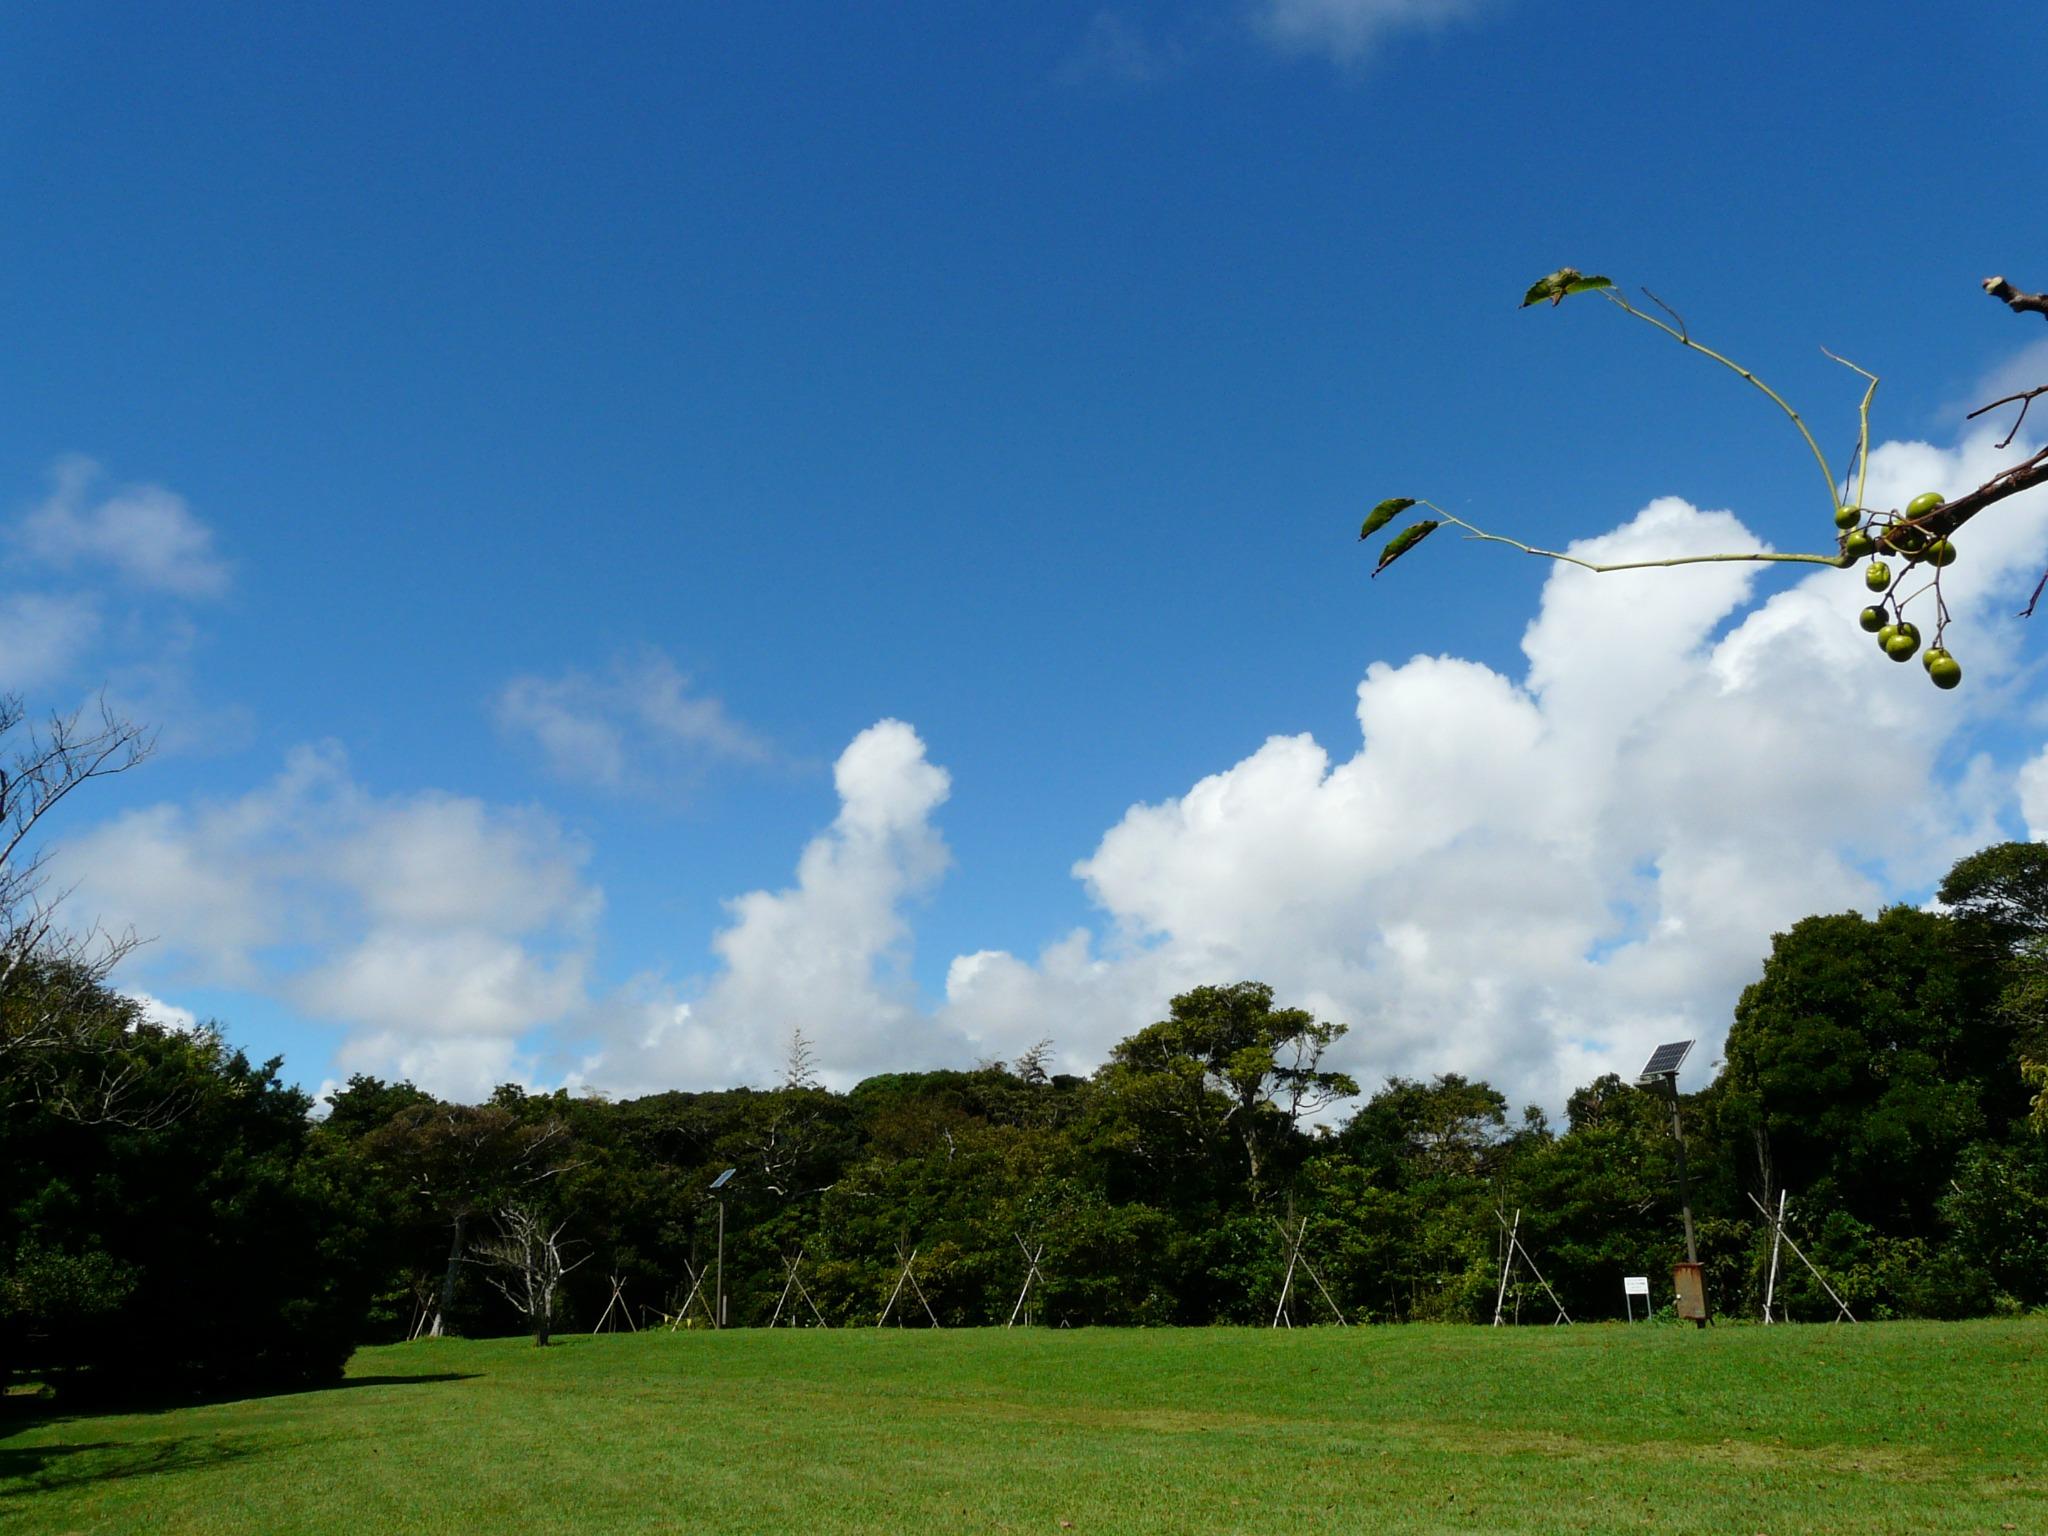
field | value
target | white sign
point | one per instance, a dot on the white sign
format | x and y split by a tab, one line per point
1635	1285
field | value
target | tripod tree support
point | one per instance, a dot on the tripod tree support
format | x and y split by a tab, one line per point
1779	1233
1517	1246
619	1301
1296	1259
696	1298
795	1282
907	1275
1031	1273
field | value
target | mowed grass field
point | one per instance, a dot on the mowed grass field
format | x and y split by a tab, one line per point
1893	1427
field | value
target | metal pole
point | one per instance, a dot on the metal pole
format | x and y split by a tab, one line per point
721	1259
1692	1253
1777	1237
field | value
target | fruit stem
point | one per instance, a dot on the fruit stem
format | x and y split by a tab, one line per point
1614	296
1862	425
1836	561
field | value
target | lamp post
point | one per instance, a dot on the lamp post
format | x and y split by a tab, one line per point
1660	1073
717	1185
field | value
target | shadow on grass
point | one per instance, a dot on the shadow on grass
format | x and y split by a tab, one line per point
35	1469
21	1413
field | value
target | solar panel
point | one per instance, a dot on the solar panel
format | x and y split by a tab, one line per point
1664	1061
719	1182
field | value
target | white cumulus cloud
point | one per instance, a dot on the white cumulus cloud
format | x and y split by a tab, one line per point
638	727
825	955
435	930
42	635
1535	878
145	533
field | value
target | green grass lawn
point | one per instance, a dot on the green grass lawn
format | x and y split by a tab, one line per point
1893	1427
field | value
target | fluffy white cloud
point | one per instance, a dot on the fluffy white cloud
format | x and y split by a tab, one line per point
1349	30
165	1015
145	533
2034	795
1530	877
1537	878
42	635
638	728
437	930
824	955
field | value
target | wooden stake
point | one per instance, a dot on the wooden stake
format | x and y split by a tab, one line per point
1287	1280
1777	1237
1507	1264
1030	1274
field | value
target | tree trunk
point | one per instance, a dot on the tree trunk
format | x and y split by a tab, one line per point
454	1268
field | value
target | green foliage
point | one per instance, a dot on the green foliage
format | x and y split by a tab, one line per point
1384	514
1404	541
207	1235
1562	282
205	1245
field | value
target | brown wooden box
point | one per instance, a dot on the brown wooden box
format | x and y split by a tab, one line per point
1692	1292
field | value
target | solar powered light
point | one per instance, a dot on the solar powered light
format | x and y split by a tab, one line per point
716	1185
1660	1072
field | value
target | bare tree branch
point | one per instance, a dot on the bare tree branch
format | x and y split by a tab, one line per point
2019	303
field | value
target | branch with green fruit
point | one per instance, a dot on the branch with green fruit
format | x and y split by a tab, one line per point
1919	536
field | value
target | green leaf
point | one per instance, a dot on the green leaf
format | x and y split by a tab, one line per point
1384	514
1588	284
1552	287
1404	541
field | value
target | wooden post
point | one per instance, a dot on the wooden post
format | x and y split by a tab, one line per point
1692	1253
1293	1242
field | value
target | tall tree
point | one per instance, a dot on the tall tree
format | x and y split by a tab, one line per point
1226	1062
463	1160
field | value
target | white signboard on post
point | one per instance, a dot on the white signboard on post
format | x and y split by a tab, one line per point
1633	1286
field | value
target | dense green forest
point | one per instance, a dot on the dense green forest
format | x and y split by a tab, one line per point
174	1214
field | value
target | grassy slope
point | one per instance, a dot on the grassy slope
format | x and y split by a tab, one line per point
1873	1428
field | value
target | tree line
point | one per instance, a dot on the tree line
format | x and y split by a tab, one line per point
177	1216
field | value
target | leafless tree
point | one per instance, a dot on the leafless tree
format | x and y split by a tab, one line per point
1035	1065
463	1160
800	1067
54	1010
526	1263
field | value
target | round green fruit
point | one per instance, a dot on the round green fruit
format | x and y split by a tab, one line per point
1910	542
1848	517
1924	503
1940	553
1872	620
1943	668
1858	544
1877	575
1884	636
1901	646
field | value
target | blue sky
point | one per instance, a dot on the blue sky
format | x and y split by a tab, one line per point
519	451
